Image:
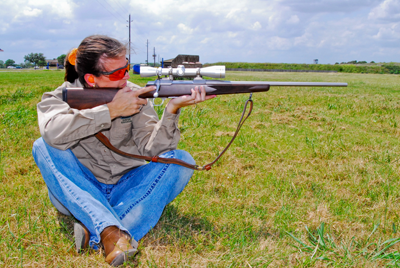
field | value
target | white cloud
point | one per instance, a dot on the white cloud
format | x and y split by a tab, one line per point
184	29
293	20
279	43
389	33
232	34
4	27
31	12
328	6
305	39
233	13
256	26
387	10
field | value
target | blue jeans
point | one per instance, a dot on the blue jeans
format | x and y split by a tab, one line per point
134	204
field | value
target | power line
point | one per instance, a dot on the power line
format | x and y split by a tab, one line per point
137	38
120	5
123	14
118	18
113	10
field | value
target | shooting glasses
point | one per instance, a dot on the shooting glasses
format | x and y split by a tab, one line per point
117	74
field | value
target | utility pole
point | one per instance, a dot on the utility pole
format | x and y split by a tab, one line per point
154	56
147	61
129	59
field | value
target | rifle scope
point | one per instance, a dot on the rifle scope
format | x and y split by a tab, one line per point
212	71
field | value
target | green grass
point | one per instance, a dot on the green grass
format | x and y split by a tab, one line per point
311	180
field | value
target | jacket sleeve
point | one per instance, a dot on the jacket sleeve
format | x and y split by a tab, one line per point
62	127
153	136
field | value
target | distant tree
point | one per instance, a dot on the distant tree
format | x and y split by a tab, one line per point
336	63
35	58
2	64
25	64
10	62
61	59
42	63
372	62
28	64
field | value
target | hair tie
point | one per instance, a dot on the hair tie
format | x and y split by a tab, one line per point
72	56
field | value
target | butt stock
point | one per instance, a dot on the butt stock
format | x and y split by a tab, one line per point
86	98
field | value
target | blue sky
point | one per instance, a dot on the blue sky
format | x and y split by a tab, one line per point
290	31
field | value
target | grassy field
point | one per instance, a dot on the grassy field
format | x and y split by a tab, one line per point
311	181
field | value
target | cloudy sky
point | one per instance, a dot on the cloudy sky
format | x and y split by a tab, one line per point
290	31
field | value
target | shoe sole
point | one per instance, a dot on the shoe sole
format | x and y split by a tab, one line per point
122	257
79	234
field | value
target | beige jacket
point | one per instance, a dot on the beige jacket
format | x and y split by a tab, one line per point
142	133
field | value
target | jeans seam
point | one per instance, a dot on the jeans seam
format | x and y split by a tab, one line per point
66	187
149	191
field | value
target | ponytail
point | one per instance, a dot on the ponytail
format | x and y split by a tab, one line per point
70	72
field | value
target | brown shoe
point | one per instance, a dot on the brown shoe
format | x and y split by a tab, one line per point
82	237
117	246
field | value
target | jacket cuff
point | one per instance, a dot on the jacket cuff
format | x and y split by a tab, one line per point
102	117
170	120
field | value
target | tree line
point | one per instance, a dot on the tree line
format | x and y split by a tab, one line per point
31	60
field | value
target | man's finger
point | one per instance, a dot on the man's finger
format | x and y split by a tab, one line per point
142	101
193	96
144	90
208	97
203	93
125	89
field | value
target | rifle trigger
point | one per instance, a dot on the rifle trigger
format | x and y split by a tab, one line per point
155	95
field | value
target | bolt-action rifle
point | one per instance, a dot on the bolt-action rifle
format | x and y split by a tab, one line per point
168	87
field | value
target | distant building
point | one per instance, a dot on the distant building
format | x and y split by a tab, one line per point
316	61
189	61
52	62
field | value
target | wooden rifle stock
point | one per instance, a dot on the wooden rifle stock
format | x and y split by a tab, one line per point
85	98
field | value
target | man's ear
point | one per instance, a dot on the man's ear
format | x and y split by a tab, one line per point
89	78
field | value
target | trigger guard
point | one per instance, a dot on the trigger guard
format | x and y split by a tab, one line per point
152	101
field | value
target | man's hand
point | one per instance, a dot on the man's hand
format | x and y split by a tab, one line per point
127	102
197	96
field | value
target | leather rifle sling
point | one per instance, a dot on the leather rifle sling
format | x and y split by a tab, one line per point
103	139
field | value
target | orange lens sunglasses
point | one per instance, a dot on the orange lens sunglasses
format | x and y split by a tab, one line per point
119	73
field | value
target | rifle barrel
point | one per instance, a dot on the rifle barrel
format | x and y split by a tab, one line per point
300	84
